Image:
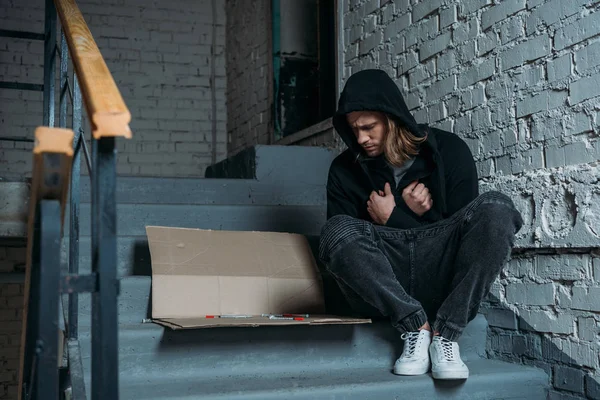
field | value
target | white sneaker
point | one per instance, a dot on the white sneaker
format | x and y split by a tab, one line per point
415	357
445	360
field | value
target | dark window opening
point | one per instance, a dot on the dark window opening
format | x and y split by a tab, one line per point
304	70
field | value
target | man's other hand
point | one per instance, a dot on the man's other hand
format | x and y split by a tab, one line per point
417	198
381	205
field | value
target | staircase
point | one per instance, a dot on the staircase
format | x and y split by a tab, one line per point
300	362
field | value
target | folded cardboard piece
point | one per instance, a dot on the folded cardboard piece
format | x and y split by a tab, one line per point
206	278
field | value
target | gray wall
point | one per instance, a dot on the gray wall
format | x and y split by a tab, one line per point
160	55
519	80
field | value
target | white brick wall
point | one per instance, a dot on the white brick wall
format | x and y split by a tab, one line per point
248	65
519	80
521	54
159	53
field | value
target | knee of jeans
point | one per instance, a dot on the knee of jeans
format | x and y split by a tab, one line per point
499	212
338	230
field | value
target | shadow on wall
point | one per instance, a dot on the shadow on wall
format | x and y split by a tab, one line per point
511	338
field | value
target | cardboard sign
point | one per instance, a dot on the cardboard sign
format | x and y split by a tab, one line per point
205	278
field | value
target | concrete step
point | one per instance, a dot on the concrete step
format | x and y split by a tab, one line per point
150	355
134	305
149	351
219	349
276	164
140	190
489	380
133	218
345	362
14	196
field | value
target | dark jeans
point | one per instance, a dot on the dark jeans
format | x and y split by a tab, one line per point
438	273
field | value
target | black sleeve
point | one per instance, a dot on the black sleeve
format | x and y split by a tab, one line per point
462	184
402	219
337	200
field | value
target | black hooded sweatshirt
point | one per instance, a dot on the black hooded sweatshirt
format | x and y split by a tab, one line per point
444	164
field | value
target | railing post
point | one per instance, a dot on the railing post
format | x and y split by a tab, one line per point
49	62
74	211
41	357
105	375
49	277
64	75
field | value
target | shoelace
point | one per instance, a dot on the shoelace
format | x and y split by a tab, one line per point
411	339
447	349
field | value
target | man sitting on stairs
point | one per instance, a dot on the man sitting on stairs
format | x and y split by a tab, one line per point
408	235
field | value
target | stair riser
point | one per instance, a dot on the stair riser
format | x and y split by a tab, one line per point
133	190
133	218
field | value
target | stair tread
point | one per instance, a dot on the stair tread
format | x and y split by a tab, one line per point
488	379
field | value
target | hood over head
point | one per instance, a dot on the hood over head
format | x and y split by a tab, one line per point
371	90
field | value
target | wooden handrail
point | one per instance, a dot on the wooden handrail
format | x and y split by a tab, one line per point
50	180
105	106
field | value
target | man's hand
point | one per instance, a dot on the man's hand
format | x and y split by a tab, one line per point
381	205
417	198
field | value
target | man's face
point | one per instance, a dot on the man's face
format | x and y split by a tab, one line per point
369	128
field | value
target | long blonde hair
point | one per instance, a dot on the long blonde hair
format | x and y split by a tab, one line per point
400	143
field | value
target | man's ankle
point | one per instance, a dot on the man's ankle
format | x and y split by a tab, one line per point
426	327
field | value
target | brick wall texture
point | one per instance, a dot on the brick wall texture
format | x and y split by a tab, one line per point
11	314
519	80
160	53
248	77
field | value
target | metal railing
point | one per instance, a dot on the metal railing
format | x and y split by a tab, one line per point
92	87
52	160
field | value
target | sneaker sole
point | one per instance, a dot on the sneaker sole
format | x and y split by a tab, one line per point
412	372
450	375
